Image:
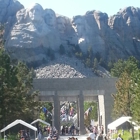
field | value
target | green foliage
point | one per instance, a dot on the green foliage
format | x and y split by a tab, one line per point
127	135
136	95
89	59
127	66
47	117
93	115
127	97
88	62
123	98
16	98
79	55
110	65
1	35
95	64
90	53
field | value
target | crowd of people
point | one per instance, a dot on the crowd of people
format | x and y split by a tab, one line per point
96	133
50	132
71	130
24	135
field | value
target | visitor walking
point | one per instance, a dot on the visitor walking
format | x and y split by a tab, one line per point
119	137
99	137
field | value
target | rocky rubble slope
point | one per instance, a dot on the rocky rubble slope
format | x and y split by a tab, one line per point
65	67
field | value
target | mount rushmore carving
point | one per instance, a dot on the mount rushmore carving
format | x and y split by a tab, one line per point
29	32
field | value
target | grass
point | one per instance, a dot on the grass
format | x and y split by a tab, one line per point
127	135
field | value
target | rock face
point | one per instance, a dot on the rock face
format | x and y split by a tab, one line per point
36	30
126	24
8	8
32	31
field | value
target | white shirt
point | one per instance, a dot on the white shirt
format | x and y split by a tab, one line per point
92	136
119	138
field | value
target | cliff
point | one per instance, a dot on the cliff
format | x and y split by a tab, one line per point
29	33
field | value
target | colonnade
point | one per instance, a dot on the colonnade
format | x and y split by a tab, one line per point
80	111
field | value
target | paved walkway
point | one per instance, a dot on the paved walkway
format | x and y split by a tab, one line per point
81	137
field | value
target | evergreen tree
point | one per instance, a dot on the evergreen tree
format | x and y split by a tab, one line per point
95	64
121	66
90	53
127	97
123	97
135	107
16	99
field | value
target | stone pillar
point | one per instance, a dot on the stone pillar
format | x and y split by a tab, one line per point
56	111
77	113
102	112
81	113
108	102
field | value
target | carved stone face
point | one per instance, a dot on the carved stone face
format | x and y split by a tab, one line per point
35	12
50	17
79	25
20	15
61	24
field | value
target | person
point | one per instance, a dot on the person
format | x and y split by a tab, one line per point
105	137
73	138
119	137
39	135
66	130
88	138
72	128
63	130
102	129
49	138
92	135
99	137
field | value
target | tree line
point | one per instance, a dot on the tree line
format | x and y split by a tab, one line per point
17	100
127	97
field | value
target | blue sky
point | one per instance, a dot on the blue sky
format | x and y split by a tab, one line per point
71	8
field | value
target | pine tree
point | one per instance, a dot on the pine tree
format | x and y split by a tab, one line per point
127	97
17	100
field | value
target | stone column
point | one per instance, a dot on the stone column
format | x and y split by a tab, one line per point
81	113
108	102
56	111
77	102
102	112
